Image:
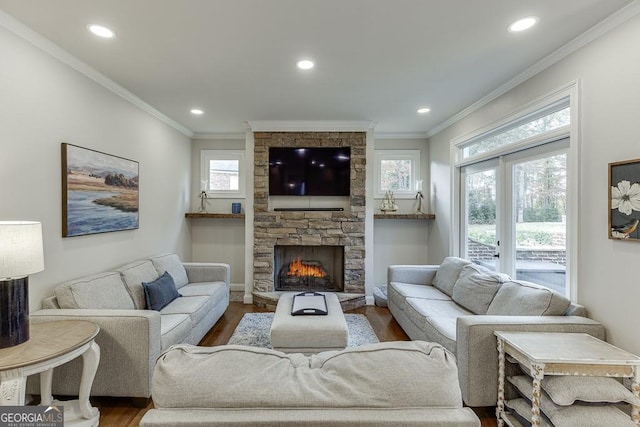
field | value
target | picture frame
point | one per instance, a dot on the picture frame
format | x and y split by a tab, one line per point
624	200
100	192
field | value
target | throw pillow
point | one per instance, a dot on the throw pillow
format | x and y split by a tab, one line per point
521	298
448	274
574	415
476	288
159	293
174	266
566	390
522	409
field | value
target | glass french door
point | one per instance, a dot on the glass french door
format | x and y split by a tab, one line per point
480	242
514	214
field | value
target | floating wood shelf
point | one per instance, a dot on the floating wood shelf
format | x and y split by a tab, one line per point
375	216
404	216
212	215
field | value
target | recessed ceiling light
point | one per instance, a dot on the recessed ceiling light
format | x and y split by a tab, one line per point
305	64
424	110
101	31
523	24
197	111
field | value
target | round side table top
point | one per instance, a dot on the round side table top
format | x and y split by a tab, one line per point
47	341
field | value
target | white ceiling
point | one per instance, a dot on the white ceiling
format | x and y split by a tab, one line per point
377	60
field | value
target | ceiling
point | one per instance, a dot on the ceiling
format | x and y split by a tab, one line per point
376	60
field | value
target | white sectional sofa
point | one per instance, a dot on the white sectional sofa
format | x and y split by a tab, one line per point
460	305
385	384
131	336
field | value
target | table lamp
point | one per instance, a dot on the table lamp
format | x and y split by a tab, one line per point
20	255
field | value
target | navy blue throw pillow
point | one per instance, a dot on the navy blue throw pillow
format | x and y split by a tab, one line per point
160	292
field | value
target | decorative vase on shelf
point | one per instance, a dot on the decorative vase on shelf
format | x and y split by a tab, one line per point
388	203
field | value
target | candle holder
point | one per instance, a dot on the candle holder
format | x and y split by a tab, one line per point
203	198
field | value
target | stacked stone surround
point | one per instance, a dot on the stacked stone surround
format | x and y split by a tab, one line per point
307	228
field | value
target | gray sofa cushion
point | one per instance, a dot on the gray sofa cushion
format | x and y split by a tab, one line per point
448	274
172	264
207	289
133	275
476	287
438	318
174	329
196	307
100	291
419	291
520	298
207	377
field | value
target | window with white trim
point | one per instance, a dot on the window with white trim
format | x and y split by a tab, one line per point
515	198
397	171
222	173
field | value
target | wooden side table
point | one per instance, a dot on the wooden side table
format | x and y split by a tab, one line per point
555	353
52	344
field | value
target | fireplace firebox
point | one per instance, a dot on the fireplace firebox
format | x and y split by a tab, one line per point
309	268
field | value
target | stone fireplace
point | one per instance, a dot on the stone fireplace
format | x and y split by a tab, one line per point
308	268
343	229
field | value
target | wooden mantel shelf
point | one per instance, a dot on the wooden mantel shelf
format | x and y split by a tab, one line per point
404	216
212	215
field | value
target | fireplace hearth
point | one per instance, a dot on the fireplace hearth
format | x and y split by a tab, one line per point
309	268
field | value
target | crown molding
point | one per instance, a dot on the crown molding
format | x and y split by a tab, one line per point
401	135
583	39
46	45
210	135
310	125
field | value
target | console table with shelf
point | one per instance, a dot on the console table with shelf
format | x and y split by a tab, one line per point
558	353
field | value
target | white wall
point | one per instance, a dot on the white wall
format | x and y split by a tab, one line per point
44	103
401	241
215	239
607	69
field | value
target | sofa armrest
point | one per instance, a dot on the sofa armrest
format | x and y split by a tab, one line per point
415	274
129	343
477	353
208	272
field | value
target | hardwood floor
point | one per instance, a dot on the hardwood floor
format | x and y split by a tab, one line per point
121	412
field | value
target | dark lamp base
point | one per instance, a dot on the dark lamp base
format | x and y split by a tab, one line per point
14	312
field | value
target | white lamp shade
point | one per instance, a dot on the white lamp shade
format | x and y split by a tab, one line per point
20	249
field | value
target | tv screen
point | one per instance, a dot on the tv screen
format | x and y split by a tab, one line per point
316	171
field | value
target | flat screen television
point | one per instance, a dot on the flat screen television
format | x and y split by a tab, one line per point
313	171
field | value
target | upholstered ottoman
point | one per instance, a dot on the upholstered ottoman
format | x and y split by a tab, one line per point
308	333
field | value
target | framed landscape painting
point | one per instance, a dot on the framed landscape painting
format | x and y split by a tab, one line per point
624	200
99	192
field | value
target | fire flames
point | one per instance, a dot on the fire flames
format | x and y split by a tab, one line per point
300	269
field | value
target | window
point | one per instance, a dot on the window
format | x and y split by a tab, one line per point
398	171
222	173
514	217
515	198
543	121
